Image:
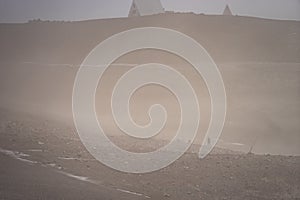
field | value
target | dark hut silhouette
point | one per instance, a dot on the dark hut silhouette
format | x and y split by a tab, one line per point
227	11
145	7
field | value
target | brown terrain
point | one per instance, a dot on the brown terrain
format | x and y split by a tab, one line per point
257	156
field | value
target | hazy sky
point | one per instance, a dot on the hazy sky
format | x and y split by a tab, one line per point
23	10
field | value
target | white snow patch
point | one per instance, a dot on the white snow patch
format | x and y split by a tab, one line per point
81	178
237	144
71	158
134	193
17	155
34	150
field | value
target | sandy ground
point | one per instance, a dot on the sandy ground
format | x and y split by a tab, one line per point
44	159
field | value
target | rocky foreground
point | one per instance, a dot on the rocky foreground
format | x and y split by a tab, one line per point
43	159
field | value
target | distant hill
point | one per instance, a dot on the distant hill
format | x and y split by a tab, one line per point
227	38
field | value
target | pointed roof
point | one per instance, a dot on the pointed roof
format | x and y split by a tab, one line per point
146	7
227	11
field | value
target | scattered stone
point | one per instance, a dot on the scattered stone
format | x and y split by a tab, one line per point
167	195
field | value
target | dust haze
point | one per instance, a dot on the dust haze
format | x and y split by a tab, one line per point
256	157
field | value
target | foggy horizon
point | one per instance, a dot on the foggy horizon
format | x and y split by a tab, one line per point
15	11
